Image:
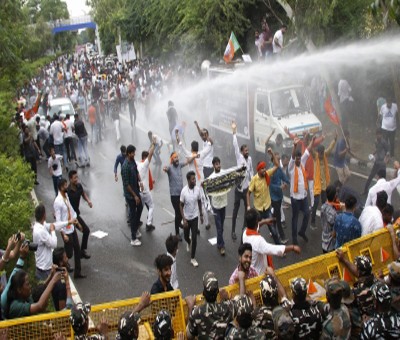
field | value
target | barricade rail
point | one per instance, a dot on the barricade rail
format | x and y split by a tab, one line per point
317	269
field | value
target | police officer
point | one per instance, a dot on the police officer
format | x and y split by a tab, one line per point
384	324
283	323
307	318
246	329
337	325
210	319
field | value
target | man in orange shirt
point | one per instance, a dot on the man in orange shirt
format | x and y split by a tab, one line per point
92	115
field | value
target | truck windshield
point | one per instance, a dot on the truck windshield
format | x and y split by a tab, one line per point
288	101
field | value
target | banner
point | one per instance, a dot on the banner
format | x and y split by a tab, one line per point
224	181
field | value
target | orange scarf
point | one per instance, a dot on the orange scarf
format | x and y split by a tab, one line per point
196	167
150	178
296	178
261	166
317	178
252	232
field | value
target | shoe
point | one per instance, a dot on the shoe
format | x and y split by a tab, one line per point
36	183
188	247
150	227
138	234
313	226
222	251
85	255
303	236
136	243
234	237
208	226
284	241
179	237
79	276
194	263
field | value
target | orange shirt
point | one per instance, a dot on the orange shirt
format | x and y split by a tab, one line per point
92	114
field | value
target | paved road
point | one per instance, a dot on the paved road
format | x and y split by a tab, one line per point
118	270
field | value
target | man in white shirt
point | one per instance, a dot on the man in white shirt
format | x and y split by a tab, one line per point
208	168
147	184
44	236
371	217
68	138
219	203
242	158
260	247
64	213
55	168
389	122
383	184
191	207
298	189
57	132
171	244
277	42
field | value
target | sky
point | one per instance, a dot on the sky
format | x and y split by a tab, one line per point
77	8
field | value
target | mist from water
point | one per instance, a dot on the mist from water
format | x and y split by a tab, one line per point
339	62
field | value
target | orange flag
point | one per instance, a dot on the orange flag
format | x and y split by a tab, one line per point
311	287
346	275
384	255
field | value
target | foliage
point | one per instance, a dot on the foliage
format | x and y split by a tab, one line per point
386	10
16	208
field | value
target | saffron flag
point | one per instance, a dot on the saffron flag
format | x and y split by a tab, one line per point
311	287
346	275
384	255
231	48
330	111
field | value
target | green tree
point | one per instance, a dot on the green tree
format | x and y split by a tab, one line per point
16	207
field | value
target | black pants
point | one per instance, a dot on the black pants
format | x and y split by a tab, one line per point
193	226
321	196
299	206
32	161
377	165
69	144
135	213
175	200
238	196
46	148
72	248
85	233
277	214
389	136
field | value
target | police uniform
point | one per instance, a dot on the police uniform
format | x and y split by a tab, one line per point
263	315
337	325
211	319
79	318
306	317
283	323
382	325
394	272
244	308
355	316
362	288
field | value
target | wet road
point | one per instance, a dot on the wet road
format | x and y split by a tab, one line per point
117	270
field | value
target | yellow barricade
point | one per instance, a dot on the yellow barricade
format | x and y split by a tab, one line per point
318	269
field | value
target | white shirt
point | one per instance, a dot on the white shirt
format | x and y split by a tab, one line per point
199	161
301	190
261	249
389	117
31	124
218	201
190	198
69	126
61	208
56	161
56	130
371	220
46	242
344	90
143	168
174	275
278	36
382	185
208	157
240	161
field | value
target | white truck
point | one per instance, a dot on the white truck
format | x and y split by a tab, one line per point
258	108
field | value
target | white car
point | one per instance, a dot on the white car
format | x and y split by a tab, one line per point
64	105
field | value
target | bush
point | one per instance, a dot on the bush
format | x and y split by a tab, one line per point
16	205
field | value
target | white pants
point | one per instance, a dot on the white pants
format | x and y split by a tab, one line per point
311	191
282	213
117	130
147	200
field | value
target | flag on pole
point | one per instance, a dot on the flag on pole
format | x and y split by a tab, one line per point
231	48
330	111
